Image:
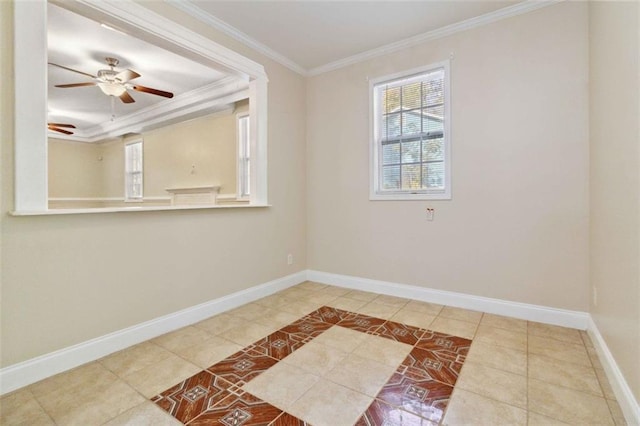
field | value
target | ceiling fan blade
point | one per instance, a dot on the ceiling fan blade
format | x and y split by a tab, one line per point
65	86
127	75
126	98
153	91
61	125
55	129
71	69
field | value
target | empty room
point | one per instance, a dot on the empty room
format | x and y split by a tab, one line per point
325	213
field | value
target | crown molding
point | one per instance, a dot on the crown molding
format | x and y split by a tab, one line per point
196	12
478	21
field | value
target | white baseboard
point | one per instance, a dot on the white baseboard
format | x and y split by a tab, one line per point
24	373
562	317
621	389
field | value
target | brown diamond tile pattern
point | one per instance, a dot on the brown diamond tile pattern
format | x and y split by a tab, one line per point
279	344
417	394
451	347
306	328
400	332
189	398
238	410
379	414
242	366
431	365
330	315
286	419
363	323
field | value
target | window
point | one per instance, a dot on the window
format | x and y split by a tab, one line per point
410	147
244	157
133	170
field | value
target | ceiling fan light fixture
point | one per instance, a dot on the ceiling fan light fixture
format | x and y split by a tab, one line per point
112	89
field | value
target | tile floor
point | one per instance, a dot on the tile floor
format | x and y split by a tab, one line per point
326	356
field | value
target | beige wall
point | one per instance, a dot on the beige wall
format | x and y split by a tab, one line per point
615	180
517	226
74	169
70	278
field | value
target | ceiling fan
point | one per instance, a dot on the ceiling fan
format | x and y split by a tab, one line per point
114	83
56	127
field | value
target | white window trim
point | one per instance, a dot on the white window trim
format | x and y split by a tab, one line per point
240	167
127	197
375	194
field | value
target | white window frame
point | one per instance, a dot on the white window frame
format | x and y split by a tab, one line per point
243	169
376	193
128	174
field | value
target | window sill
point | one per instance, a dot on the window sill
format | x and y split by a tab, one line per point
53	212
409	197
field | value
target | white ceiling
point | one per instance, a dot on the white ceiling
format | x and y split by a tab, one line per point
316	33
82	44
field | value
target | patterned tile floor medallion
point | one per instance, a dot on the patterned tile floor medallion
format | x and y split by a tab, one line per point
416	394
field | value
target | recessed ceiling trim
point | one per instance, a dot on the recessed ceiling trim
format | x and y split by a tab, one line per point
196	12
487	18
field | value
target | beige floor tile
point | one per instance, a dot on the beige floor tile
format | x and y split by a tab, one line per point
145	414
301	307
271	301
567	405
467	408
135	358
313	286
499	321
506	359
361	374
414	318
454	327
536	419
329	404
157	378
184	337
319	297
93	404
248	333
250	311
616	413
378	310
341	338
424	307
461	314
335	291
565	374
586	339
281	385
316	358
81	376
495	384
296	293
556	349
21	408
347	304
209	352
365	296
594	358
277	319
398	302
564	334
220	323
501	337
604	384
385	351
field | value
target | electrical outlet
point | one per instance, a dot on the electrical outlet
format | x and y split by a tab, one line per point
594	295
289	259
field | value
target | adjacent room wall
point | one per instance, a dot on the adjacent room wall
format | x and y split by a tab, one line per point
517	226
615	181
67	279
74	169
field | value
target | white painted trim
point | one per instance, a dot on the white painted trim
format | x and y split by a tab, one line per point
27	372
547	315
478	21
236	34
133	209
630	407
